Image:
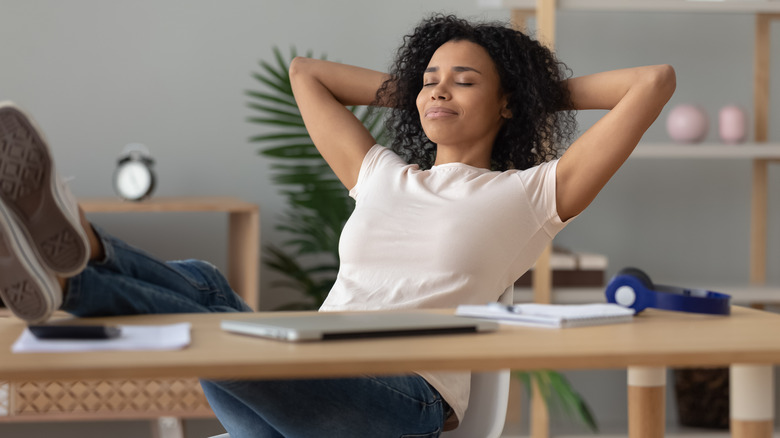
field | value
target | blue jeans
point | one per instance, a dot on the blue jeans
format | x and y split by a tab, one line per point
128	281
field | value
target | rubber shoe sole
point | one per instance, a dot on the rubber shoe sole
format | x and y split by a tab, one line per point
27	288
30	188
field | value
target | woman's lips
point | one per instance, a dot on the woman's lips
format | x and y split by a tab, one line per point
438	112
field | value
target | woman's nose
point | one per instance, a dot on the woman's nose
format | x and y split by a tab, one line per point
440	92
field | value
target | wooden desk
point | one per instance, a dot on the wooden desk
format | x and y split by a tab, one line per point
746	341
243	232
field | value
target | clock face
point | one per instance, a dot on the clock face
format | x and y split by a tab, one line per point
133	180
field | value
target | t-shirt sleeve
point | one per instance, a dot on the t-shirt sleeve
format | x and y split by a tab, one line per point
374	158
539	183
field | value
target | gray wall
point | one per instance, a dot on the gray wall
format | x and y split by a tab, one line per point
98	75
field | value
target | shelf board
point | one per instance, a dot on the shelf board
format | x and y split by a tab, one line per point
568	295
169	204
750	151
725	6
620	430
741	295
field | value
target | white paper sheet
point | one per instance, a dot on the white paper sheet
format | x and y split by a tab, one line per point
133	337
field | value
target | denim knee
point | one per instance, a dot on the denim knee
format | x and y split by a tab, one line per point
207	277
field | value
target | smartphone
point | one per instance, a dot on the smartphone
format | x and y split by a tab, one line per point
65	331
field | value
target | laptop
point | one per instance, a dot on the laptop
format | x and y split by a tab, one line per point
327	325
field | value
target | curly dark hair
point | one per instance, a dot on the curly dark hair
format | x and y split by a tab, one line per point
530	75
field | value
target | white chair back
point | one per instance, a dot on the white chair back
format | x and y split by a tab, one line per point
489	397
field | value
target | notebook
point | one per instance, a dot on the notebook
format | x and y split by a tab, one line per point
550	315
326	325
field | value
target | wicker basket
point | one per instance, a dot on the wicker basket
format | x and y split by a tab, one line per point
703	397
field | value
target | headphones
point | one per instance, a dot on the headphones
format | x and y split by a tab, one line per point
632	288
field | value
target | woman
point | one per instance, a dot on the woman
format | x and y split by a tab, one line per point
465	204
466	99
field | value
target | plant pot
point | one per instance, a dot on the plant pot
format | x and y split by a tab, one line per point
702	397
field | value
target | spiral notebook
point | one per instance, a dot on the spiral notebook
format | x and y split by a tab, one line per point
550	315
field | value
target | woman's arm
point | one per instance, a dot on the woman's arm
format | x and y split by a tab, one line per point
635	97
322	90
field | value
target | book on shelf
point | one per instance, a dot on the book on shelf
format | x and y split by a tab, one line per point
550	315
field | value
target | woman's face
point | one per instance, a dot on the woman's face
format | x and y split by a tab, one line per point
461	102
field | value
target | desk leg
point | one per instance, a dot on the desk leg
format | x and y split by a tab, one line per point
540	415
244	255
752	400
646	402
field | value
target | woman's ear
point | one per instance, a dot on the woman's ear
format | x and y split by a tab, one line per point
506	113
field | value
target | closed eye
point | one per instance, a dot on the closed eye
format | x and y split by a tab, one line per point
463	84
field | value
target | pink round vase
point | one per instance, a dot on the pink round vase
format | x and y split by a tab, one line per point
687	123
732	124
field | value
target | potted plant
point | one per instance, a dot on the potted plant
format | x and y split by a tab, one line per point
319	206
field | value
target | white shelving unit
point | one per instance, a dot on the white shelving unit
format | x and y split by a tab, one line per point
672	431
724	6
741	295
760	154
706	151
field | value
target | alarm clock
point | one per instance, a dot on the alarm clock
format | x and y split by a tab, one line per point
134	179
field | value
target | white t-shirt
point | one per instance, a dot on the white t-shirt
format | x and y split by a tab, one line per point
454	234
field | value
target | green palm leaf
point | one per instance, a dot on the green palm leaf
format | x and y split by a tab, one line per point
559	396
274	111
281	100
279	136
281	75
300	151
272	82
277	121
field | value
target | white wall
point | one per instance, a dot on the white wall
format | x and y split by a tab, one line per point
171	74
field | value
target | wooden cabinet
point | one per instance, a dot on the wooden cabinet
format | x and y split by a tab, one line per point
243	232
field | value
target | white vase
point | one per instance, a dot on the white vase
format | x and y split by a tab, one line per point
687	123
732	124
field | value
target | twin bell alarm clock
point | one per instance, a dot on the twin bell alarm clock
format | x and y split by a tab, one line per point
134	178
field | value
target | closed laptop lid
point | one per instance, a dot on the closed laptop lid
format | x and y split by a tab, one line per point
327	325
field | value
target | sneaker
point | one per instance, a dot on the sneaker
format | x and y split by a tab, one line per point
30	188
27	288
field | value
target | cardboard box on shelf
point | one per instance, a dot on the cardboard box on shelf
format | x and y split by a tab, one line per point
572	269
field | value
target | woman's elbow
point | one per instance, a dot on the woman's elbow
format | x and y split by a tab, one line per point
297	66
664	79
301	68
